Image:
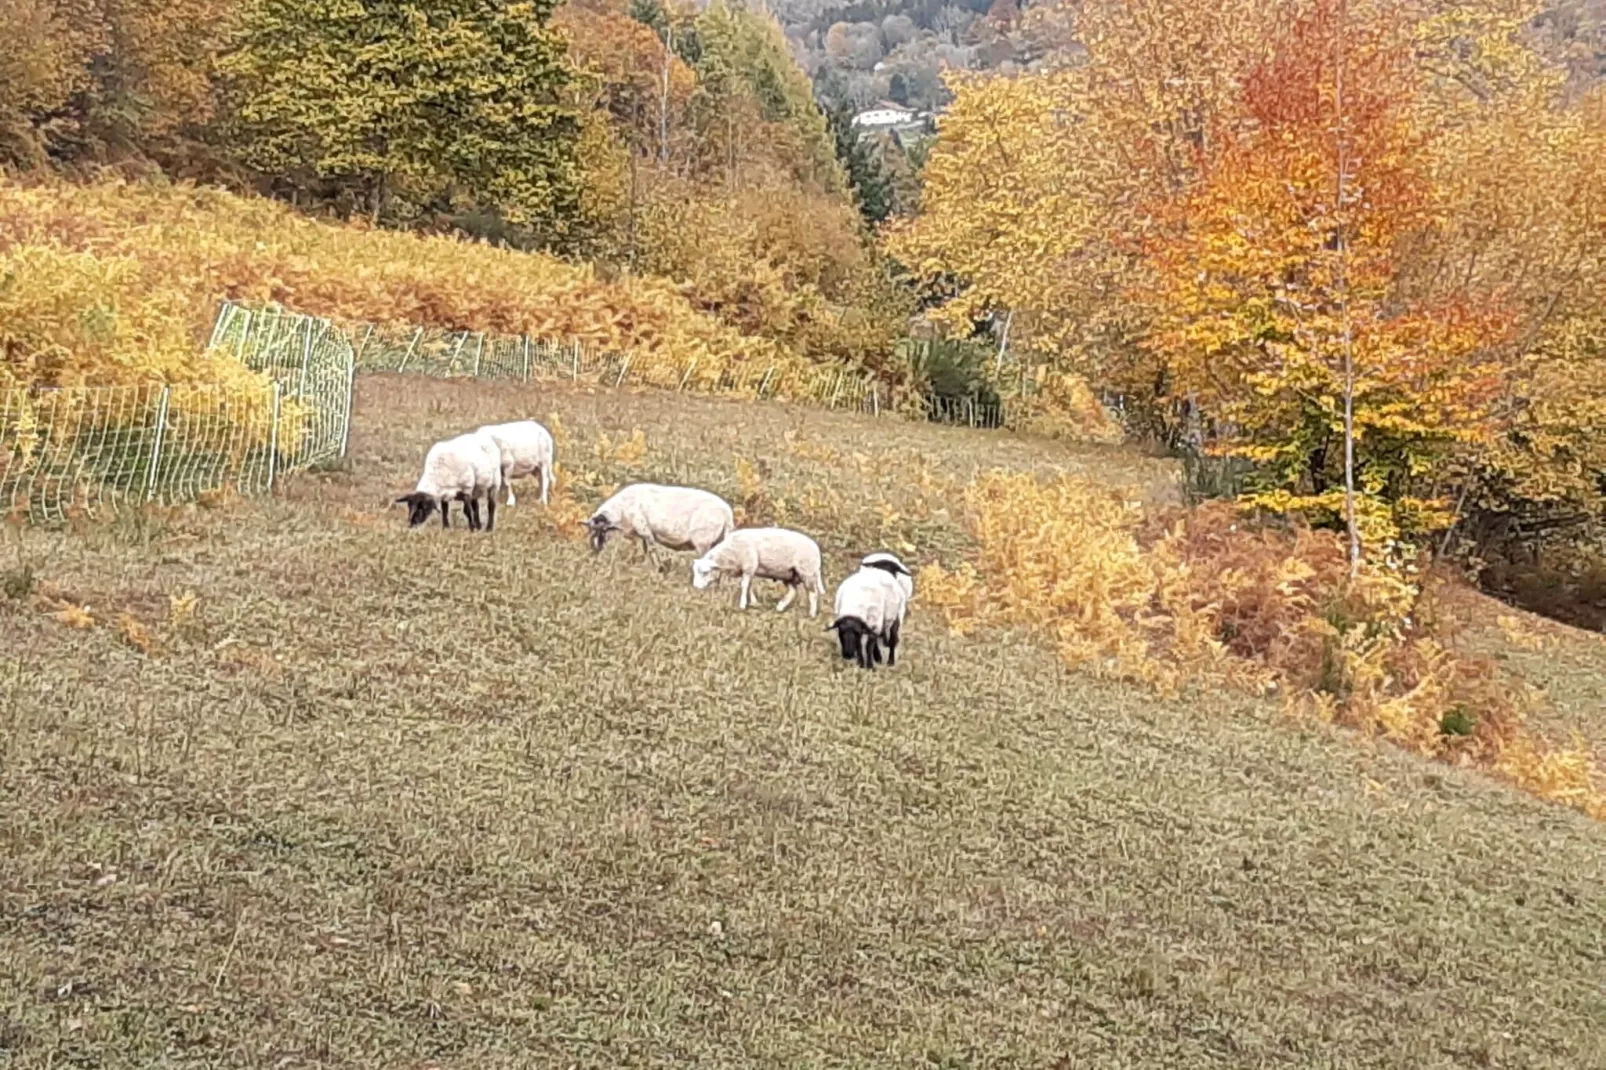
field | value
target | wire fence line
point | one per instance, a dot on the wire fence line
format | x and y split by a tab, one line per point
88	450
312	362
520	358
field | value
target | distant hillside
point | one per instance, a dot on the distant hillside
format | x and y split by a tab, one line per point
866	51
861	52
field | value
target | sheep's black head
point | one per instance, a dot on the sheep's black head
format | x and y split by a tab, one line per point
600	529
419	507
850	633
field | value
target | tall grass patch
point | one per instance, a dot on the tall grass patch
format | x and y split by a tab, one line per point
1213	597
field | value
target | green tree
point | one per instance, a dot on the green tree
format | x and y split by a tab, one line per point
744	61
872	190
384	106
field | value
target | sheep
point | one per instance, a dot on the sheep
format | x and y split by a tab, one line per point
466	468
527	449
769	554
677	518
869	609
889	563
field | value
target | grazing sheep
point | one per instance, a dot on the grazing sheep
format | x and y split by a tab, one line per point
869	609
889	563
527	449
769	554
466	468
677	518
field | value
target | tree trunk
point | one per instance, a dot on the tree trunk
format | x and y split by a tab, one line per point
663	97
379	198
1350	521
1003	342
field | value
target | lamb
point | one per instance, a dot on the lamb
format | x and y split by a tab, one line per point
527	449
769	554
466	468
677	518
869	609
889	563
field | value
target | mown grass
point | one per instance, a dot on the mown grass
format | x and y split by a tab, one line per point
377	798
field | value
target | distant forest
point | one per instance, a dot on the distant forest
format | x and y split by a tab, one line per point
865	51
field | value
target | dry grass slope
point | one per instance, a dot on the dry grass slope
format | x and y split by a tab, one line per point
284	785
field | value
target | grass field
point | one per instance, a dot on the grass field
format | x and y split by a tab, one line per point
379	798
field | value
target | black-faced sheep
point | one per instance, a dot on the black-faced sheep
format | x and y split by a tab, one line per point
869	612
676	518
467	468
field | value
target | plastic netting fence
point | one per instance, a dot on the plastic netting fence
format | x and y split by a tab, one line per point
313	363
471	354
87	450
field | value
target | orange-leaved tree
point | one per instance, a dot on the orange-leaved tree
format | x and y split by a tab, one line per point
1276	293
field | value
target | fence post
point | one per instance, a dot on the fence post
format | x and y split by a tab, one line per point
357	355
875	399
526	358
156	450
574	370
351	390
245	333
685	375
419	333
837	389
479	352
458	348
624	368
306	357
273	435
220	328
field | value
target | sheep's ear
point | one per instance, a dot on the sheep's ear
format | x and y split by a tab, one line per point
405	499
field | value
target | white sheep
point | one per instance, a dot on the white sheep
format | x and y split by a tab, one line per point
676	518
889	563
466	469
869	610
527	449
768	554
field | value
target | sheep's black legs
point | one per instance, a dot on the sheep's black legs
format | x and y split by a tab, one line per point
892	645
490	512
869	651
446	508
472	508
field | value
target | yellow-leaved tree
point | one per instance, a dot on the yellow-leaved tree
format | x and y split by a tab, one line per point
1192	206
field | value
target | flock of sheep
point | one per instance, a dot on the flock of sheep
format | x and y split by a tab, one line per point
478	466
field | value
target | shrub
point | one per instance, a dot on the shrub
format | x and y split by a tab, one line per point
165	255
1207	596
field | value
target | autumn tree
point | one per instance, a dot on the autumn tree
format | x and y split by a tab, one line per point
107	80
384	106
1197	221
1278	302
746	69
1014	215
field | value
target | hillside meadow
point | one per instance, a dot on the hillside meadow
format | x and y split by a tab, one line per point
284	784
